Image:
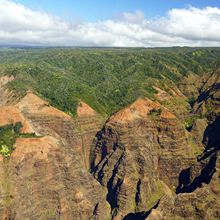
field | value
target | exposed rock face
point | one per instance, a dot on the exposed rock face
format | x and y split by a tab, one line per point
142	164
33	105
146	159
198	192
85	110
87	123
200	204
45	176
162	95
140	151
202	201
11	114
198	130
5	94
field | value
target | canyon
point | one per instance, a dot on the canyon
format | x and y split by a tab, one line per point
155	159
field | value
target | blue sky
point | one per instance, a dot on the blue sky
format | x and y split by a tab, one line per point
94	10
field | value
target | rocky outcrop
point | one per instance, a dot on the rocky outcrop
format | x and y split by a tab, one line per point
13	115
87	123
45	178
198	192
6	96
142	164
199	199
85	110
139	152
197	205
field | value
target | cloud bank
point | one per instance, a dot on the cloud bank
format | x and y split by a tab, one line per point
190	26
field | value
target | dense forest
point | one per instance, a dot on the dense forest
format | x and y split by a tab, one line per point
105	78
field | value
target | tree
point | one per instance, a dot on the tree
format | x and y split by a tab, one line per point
5	151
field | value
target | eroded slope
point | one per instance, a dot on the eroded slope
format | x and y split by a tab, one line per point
45	177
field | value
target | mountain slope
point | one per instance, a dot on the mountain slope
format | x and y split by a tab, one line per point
45	178
76	143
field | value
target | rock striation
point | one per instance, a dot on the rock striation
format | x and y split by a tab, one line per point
144	162
139	152
45	177
87	123
198	193
6	96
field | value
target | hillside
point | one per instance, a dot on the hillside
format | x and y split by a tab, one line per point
120	134
106	79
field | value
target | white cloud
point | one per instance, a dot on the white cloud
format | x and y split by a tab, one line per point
191	24
181	27
136	17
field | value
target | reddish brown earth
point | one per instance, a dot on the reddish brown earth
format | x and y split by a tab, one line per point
139	153
6	95
142	163
45	177
198	193
87	123
162	95
11	114
85	110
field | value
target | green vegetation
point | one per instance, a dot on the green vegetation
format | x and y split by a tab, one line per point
106	79
191	120
7	140
8	135
5	150
155	196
